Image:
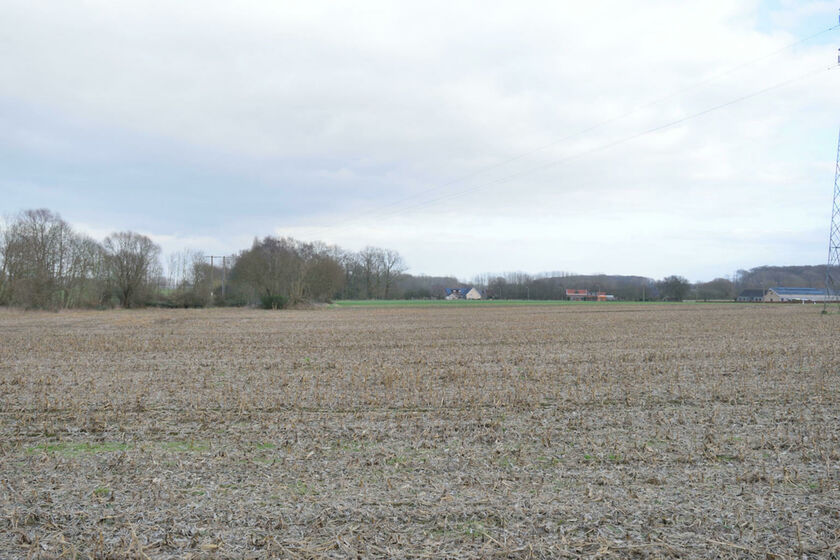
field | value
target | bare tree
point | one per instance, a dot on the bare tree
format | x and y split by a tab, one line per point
392	265
272	269
189	278
37	252
181	268
85	276
719	288
132	260
371	260
4	276
324	277
351	284
286	271
674	288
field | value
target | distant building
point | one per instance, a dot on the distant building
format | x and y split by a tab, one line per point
586	295
577	295
751	296
781	294
462	293
473	294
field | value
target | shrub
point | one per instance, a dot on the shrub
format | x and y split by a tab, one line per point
273	302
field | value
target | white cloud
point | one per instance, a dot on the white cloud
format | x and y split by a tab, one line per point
344	110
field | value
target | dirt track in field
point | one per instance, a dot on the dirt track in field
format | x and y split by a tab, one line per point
693	431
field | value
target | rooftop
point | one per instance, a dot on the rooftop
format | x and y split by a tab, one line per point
786	291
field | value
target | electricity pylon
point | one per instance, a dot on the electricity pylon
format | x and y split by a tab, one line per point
832	269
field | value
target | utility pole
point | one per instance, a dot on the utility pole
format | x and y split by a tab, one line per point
224	276
213	272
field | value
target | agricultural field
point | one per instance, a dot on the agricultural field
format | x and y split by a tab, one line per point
690	431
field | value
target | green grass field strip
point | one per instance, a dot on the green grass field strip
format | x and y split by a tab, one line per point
487	302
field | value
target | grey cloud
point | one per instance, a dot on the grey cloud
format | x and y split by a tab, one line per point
319	113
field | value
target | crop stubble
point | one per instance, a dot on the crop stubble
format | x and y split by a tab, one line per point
616	430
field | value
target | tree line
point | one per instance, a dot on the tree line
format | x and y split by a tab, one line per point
46	264
518	285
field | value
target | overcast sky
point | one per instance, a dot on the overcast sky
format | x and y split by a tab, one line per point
469	136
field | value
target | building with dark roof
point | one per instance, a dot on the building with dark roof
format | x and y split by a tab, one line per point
751	295
463	293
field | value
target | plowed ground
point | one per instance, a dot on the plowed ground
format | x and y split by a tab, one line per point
691	431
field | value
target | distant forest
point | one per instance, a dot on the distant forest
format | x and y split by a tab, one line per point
46	264
638	288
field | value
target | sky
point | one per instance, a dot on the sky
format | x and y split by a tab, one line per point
649	138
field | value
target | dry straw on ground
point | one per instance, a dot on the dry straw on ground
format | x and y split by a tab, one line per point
697	431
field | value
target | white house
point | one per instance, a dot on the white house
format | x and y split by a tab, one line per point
473	294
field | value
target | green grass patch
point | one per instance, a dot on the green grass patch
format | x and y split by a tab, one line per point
547	462
396	460
75	448
185	446
453	303
351	445
301	488
488	303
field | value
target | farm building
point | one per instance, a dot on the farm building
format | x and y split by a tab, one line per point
462	293
586	295
781	294
751	296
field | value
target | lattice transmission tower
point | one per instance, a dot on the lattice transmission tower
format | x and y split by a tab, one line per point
832	269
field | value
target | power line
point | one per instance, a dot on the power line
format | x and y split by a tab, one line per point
376	212
637	135
602	147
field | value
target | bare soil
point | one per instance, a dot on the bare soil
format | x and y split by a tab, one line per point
690	431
